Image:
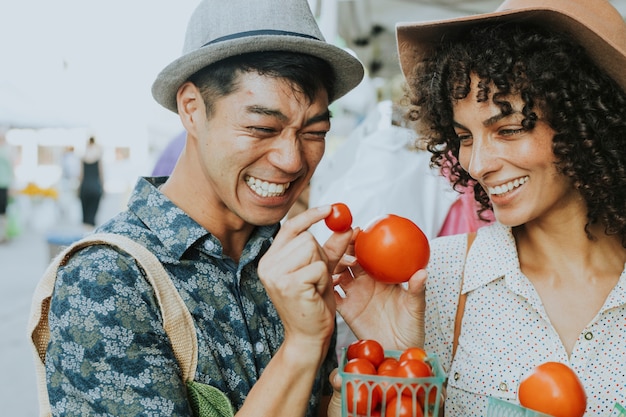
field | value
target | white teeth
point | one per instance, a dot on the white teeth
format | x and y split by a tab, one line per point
266	189
505	188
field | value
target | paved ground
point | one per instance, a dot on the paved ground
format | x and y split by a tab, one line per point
22	262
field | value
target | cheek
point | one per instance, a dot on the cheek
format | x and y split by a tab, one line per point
314	153
464	157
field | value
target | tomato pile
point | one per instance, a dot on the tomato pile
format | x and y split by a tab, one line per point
388	388
553	388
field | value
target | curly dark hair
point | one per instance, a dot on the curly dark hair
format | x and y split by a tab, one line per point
554	76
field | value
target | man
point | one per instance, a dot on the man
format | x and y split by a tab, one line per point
252	90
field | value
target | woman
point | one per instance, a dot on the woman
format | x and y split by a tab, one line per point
90	190
528	106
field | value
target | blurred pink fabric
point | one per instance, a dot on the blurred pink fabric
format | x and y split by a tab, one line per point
462	216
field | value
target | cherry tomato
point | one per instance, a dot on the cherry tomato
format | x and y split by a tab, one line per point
388	364
433	393
368	349
359	366
392	249
358	396
403	406
387	390
413	368
339	219
413	353
553	388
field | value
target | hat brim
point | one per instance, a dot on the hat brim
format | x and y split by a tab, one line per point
348	70
416	40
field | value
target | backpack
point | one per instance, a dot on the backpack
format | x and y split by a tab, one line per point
205	400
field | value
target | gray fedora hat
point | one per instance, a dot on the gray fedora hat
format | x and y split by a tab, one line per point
219	29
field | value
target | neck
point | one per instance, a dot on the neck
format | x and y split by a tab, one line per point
193	197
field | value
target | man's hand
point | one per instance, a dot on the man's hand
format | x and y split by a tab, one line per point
296	272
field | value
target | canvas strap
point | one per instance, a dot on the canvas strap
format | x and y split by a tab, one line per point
462	297
177	320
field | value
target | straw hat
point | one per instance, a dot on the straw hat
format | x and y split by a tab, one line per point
594	24
219	29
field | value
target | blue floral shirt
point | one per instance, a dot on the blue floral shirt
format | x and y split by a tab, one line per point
109	354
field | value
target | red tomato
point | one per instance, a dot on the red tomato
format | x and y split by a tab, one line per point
339	219
358	396
374	413
359	366
403	406
433	393
413	368
413	353
553	388
387	390
392	249
388	364
368	349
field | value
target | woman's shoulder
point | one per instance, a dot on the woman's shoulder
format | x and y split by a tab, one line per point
448	253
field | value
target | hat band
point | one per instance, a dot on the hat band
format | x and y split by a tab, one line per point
257	33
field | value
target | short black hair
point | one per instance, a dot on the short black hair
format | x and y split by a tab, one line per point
306	72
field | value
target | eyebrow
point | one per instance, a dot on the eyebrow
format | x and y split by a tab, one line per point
266	111
490	121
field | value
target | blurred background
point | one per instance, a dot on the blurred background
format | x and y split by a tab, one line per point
75	69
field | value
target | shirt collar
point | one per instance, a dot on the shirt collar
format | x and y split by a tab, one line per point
171	225
493	255
175	229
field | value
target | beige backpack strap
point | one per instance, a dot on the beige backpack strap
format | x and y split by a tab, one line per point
177	320
460	309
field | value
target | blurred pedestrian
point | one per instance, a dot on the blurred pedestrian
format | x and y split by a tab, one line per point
168	158
68	186
6	179
90	190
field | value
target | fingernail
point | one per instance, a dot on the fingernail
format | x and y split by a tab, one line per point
349	259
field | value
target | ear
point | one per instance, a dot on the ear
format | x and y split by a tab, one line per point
190	105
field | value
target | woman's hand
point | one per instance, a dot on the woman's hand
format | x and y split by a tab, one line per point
334	406
392	314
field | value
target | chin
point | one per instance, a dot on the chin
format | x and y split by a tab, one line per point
509	220
268	219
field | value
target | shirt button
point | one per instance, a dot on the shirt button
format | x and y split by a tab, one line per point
210	245
456	376
503	387
588	335
258	347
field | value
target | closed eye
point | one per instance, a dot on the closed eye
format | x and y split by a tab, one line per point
262	131
321	135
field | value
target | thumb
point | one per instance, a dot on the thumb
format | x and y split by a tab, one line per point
334	406
416	302
417	285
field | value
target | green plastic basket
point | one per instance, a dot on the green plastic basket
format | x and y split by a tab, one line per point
424	390
501	408
618	411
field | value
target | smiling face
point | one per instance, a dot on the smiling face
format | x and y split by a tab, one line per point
514	165
259	148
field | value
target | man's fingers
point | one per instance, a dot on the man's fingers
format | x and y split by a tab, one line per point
301	223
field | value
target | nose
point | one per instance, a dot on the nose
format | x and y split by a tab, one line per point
286	153
482	158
